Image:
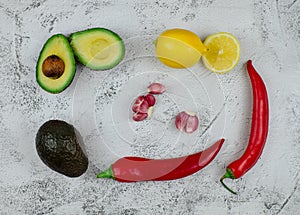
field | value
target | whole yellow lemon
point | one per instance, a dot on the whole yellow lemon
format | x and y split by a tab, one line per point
179	48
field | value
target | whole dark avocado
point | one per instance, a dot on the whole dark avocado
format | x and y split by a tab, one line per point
59	146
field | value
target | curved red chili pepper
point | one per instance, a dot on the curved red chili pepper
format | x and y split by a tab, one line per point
259	129
133	169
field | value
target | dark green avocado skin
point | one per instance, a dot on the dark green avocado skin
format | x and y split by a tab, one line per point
59	148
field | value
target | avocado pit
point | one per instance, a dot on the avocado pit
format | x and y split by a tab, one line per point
53	67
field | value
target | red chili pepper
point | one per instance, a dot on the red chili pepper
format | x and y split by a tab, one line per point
259	129
133	169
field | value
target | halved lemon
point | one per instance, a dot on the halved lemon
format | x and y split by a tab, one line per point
223	52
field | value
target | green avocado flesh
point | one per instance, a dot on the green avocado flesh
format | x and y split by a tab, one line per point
58	144
98	48
55	68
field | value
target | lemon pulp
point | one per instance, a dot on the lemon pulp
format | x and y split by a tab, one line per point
223	52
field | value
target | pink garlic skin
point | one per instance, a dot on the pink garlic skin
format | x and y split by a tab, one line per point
139	116
143	105
181	120
187	122
150	99
191	124
156	88
140	105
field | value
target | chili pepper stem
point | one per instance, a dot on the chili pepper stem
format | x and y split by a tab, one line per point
228	174
106	173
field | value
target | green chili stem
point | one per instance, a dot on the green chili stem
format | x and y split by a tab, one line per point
106	173
228	174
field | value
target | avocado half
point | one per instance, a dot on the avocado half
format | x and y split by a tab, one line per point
60	147
98	48
55	68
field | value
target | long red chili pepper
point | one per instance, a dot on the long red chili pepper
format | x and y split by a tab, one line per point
133	169
259	129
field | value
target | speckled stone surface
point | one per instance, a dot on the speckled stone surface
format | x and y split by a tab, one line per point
97	104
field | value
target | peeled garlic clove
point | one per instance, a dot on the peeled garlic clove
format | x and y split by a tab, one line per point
139	116
191	124
181	120
156	88
150	110
140	105
150	99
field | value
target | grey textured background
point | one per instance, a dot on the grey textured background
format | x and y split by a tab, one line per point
269	33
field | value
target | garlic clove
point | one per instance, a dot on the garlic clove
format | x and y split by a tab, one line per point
156	88
150	99
140	105
139	116
191	124
181	120
186	121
